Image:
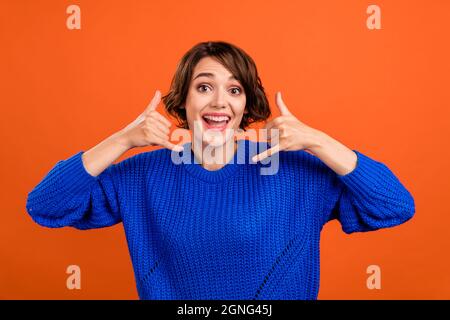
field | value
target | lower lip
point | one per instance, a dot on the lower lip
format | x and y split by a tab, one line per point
209	127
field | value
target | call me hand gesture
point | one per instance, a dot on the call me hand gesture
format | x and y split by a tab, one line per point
150	128
295	135
292	133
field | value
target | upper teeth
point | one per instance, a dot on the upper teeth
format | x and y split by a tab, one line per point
217	118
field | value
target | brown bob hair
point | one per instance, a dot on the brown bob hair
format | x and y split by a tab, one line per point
240	65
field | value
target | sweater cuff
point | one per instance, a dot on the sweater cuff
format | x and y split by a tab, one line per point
367	174
73	175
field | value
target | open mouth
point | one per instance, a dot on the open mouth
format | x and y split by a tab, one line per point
216	122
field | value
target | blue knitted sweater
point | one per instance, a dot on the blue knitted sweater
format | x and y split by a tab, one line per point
232	233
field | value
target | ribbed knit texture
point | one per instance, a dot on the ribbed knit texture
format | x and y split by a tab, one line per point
227	234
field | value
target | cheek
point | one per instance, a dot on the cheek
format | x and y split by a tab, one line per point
243	103
193	106
191	114
240	108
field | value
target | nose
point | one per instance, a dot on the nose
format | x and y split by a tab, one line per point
219	99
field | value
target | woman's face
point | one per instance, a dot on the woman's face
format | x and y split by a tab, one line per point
215	101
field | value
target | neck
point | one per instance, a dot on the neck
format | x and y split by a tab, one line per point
214	158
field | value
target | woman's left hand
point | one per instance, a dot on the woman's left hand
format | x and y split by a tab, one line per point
292	133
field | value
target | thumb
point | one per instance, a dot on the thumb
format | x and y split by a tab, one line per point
281	105
154	103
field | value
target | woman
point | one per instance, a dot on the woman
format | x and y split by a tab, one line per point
208	229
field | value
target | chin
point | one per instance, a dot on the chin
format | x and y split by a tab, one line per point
216	138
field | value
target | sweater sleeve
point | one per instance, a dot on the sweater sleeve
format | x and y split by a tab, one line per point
368	198
69	196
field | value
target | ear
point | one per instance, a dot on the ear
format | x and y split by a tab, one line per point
245	111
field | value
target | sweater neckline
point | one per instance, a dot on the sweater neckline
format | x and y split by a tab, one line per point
191	164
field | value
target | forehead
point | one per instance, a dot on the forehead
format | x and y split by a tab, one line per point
210	65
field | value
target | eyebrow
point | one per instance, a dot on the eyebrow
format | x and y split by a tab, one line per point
210	75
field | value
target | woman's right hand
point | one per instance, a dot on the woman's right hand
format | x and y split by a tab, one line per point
149	129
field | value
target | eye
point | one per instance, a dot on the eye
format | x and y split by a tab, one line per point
238	90
202	86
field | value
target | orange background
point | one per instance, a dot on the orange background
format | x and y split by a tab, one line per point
382	92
